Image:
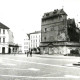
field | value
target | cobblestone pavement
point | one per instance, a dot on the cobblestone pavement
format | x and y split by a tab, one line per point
38	67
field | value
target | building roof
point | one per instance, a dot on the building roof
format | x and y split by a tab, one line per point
3	26
28	36
54	13
35	32
13	45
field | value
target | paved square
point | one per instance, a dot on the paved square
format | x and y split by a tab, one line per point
38	67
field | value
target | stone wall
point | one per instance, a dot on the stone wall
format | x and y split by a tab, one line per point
58	50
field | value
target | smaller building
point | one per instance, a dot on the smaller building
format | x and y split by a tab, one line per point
35	39
13	48
26	43
31	41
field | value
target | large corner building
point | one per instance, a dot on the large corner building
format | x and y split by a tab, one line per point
58	34
7	44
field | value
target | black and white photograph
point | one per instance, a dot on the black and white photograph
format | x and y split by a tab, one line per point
39	40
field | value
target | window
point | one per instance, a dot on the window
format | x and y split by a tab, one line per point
36	44
13	50
31	45
31	37
0	40
0	31
43	48
47	14
33	41
45	38
25	47
39	40
3	31
3	40
45	29
52	28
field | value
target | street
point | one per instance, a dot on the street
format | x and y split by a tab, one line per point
38	67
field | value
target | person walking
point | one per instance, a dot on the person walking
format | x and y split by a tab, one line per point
28	53
31	53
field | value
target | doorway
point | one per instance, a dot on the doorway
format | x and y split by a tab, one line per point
3	50
9	50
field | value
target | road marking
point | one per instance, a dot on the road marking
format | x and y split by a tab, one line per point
71	76
4	63
9	64
17	79
66	76
42	63
33	69
36	63
65	66
69	65
1	60
40	77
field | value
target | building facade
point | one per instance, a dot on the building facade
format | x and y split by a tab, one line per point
35	39
3	38
26	44
6	40
58	33
54	26
31	41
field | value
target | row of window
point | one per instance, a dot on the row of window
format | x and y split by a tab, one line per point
3	40
54	28
35	36
50	29
26	47
26	43
33	41
59	18
35	45
3	31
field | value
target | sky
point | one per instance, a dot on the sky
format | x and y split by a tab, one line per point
24	16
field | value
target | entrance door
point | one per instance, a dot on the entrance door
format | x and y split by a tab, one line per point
9	50
3	50
51	50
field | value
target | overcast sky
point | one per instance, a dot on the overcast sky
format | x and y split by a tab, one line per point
24	16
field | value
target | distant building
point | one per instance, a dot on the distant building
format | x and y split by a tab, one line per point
7	40
31	41
35	39
58	34
73	31
26	44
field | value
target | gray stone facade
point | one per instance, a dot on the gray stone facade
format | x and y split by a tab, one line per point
58	34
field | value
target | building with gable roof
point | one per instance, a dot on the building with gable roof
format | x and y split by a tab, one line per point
58	34
7	44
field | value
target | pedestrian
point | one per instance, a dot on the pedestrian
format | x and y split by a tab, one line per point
25	52
31	53
28	53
